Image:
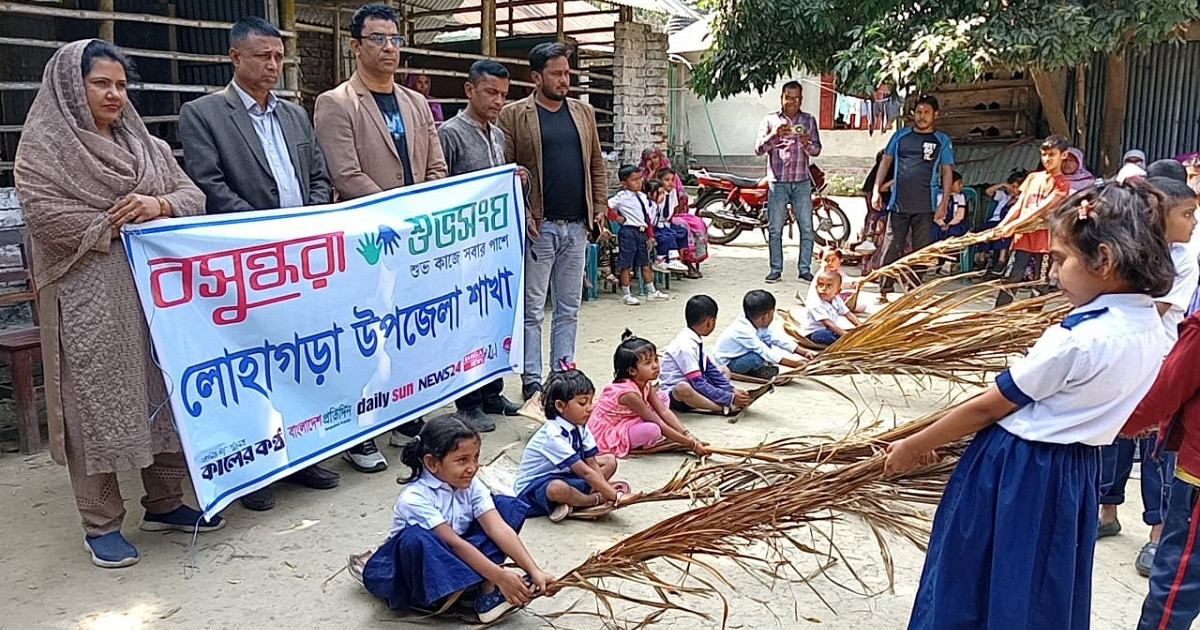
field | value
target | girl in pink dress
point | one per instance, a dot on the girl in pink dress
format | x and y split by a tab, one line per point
631	413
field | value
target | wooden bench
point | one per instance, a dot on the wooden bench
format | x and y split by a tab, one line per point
20	347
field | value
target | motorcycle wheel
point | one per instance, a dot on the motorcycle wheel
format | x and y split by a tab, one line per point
720	231
830	224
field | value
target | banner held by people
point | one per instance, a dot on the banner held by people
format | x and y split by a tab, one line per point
285	336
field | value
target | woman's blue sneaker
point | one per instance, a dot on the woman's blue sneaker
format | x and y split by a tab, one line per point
181	519
111	550
491	606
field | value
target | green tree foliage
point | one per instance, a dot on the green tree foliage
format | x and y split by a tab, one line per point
920	42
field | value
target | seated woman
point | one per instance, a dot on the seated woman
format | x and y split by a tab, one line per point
86	166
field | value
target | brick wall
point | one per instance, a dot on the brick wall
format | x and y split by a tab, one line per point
639	90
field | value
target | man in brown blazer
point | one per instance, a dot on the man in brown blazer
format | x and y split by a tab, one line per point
376	136
555	139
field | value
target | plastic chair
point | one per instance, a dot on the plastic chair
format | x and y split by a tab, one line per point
593	271
966	258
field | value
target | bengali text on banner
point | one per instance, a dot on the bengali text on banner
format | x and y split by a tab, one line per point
287	336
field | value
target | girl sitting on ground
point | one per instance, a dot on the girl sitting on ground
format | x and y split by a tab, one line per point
562	469
449	534
632	413
1020	510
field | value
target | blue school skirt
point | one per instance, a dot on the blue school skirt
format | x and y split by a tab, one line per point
957	229
416	568
535	494
1013	538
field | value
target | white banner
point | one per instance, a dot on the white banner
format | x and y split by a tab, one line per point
287	336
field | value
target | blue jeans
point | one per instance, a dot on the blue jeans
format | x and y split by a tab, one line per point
1173	571
1157	473
746	363
554	263
824	337
799	194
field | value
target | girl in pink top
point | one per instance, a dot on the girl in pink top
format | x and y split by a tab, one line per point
631	413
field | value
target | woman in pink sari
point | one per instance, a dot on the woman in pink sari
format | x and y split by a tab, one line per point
655	165
421	82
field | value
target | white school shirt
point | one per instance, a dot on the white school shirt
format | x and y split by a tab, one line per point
635	207
820	310
1002	198
681	358
1084	377
554	447
741	337
429	502
957	200
1187	275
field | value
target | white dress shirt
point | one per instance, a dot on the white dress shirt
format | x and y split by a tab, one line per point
275	148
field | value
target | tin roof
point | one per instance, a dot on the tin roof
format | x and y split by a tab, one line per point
985	164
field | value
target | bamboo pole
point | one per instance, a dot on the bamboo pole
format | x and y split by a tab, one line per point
1081	107
291	47
132	52
487	27
114	16
560	21
173	44
106	26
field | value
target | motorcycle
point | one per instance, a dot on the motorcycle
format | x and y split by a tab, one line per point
730	205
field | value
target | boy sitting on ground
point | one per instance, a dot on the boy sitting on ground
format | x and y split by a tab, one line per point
688	374
821	316
747	346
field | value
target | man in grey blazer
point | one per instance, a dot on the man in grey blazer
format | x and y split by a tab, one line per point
248	150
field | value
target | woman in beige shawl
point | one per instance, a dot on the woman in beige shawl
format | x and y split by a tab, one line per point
86	165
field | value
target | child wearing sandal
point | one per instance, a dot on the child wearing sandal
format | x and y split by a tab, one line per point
561	468
692	381
1014	535
632	413
449	533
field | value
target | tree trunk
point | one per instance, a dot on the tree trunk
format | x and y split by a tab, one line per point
1114	114
1053	107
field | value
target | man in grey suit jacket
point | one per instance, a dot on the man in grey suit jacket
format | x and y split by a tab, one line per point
248	150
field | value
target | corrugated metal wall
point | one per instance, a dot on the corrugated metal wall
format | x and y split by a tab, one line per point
1162	112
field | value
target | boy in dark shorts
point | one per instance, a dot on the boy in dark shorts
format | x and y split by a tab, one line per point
689	375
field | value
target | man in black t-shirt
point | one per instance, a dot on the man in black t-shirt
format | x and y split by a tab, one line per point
555	138
921	160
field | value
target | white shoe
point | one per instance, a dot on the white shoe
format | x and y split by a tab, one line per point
629	300
366	457
865	247
660	267
657	296
675	265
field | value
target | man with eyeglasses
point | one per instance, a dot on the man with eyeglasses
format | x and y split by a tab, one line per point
376	136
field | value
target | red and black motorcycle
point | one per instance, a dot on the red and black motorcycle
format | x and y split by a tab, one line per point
730	204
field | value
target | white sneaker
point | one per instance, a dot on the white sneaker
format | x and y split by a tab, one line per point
660	266
629	300
366	457
657	296
865	247
675	265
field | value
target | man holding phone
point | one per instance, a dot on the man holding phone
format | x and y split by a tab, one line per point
789	137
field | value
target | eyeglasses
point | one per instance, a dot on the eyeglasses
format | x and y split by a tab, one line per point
379	39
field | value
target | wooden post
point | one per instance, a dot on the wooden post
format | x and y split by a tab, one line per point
291	48
487	27
1052	104
106	26
1114	113
626	14
173	46
560	22
1081	107
337	45
29	436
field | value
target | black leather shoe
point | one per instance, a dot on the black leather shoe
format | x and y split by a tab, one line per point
479	420
806	276
315	477
501	406
765	372
529	389
259	500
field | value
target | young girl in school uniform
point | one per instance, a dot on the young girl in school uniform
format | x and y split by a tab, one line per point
1015	532
631	412
449	534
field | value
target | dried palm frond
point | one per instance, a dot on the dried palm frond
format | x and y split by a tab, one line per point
731	526
908	268
927	332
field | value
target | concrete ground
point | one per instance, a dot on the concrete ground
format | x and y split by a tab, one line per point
273	569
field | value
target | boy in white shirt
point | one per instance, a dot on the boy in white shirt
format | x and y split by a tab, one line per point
748	346
820	319
633	212
692	380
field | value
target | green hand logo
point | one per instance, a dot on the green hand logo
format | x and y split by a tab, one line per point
369	247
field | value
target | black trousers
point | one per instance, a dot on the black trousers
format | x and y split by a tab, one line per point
902	226
1018	261
477	397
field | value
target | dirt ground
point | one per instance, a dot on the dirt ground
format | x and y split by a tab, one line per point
272	569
